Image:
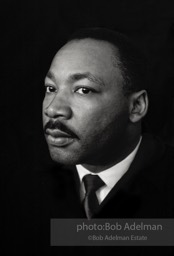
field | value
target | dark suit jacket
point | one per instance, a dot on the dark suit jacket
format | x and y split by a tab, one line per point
33	198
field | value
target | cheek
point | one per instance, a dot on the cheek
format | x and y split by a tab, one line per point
105	117
96	120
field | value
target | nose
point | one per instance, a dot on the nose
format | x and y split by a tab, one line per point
57	106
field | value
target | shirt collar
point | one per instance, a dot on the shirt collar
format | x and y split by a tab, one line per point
112	175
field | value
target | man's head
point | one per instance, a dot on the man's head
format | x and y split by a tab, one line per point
95	99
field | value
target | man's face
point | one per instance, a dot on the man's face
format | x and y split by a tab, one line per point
85	113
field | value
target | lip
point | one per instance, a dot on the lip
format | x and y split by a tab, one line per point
57	133
58	138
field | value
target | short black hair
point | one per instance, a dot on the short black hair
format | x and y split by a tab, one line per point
130	58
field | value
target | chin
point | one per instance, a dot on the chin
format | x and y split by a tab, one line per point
65	159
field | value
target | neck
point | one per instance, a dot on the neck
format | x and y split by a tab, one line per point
106	165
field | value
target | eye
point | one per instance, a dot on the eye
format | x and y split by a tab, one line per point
49	89
84	90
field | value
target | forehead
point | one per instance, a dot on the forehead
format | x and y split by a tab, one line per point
88	49
86	55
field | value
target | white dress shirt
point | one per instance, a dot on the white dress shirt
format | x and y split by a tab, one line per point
110	176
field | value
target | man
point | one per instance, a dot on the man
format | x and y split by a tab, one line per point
93	108
106	167
96	98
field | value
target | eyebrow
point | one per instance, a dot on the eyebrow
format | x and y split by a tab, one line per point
51	76
79	76
87	75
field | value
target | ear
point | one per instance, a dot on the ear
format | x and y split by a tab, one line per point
138	106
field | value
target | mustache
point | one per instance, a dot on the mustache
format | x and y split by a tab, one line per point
60	126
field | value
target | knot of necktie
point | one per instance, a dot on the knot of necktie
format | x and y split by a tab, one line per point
92	183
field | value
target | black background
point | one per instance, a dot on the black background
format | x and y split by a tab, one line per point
32	31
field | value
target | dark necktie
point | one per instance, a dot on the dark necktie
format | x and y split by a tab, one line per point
92	183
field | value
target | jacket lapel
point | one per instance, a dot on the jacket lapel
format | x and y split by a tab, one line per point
133	194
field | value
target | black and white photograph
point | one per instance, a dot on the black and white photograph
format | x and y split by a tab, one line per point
87	145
